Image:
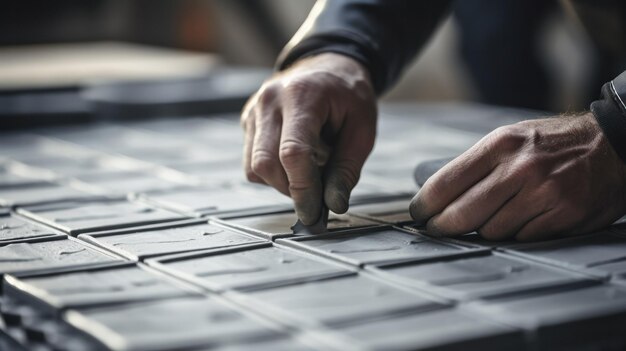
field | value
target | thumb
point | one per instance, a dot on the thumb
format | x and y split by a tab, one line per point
342	173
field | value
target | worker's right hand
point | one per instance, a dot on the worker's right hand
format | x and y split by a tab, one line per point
311	127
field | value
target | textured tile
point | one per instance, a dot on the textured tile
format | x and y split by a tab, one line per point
211	201
485	276
130	182
446	329
379	245
393	212
143	243
566	320
77	218
51	255
249	267
16	229
590	253
170	324
274	344
43	193
94	287
341	300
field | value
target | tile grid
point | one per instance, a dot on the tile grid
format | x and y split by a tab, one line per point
324	336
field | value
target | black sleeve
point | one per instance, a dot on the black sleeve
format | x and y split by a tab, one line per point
384	35
610	112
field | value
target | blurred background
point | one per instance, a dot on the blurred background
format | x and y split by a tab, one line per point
61	48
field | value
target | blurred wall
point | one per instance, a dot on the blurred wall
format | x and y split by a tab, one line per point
251	32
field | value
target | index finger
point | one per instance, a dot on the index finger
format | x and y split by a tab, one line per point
452	180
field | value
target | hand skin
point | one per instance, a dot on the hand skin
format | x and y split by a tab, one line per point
532	180
311	127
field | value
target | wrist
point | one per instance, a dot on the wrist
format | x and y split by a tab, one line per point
351	71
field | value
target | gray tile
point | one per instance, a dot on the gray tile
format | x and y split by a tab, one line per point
12	180
211	201
129	182
381	245
218	174
393	212
277	225
14	229
142	243
485	276
566	320
248	267
339	301
93	287
43	193
446	329
274	344
77	218
51	255
49	334
171	324
590	253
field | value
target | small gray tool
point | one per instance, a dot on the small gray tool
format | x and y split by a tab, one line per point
316	228
426	169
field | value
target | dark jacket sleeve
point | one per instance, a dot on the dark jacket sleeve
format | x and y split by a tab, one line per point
610	112
384	35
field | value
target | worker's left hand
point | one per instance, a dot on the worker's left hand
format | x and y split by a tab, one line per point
532	180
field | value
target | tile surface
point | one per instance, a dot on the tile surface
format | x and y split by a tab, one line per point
81	218
169	324
484	276
95	287
343	300
13	228
376	246
445	329
592	252
55	254
364	285
149	243
252	268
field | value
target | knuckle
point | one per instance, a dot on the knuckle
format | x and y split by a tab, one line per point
268	93
291	153
299	86
507	137
263	163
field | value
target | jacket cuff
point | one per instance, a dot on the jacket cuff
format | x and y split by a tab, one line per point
610	113
340	42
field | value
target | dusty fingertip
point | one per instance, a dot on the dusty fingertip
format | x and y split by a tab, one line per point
336	196
337	201
308	217
416	210
433	228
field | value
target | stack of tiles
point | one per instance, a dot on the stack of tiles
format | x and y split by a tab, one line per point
145	236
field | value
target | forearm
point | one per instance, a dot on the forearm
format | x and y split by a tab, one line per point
383	35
